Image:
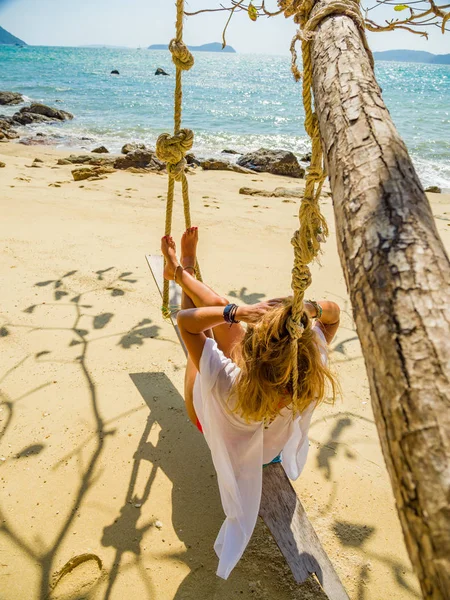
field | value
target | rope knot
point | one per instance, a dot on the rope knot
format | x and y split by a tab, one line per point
172	149
181	55
295	328
177	171
315	173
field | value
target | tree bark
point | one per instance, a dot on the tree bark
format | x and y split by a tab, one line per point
398	277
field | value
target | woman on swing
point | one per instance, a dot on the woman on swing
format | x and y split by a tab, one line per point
238	388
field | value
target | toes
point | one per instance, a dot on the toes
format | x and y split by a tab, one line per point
167	241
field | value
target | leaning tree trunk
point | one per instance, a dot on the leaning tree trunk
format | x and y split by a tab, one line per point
398	275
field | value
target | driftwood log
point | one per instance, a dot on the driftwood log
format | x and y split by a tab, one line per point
398	277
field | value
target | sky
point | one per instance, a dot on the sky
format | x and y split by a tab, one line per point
143	22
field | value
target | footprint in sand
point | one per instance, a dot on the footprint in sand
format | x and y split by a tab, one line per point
85	571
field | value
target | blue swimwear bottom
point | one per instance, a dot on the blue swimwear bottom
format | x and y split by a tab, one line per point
276	460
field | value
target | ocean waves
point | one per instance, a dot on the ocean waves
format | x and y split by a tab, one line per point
238	101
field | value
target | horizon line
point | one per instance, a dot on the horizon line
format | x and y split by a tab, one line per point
121	47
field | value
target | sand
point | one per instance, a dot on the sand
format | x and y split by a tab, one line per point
97	457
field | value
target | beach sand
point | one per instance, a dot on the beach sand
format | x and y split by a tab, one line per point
97	455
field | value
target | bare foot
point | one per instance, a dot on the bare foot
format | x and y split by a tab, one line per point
169	251
189	243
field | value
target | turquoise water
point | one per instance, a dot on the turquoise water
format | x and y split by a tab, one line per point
234	100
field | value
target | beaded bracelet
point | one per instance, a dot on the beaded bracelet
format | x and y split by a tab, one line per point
229	313
319	309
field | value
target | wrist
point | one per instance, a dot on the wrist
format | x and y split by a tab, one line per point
313	309
230	313
242	313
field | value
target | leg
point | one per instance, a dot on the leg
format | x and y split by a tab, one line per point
189	380
199	293
188	260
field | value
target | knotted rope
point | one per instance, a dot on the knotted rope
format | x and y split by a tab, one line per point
313	226
173	149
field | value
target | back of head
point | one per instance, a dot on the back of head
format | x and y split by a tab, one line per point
267	357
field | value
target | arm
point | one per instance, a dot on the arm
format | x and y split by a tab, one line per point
329	321
192	322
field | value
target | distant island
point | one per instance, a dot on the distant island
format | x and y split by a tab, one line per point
7	38
214	47
414	56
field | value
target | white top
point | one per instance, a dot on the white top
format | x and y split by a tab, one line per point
239	449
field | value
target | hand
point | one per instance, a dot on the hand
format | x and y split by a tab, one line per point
252	313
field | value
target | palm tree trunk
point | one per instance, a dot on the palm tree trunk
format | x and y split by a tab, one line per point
398	277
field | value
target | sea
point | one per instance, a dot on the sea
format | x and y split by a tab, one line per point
237	101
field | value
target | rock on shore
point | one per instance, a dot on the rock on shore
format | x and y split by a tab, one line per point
36	110
87	159
140	159
6	131
10	98
127	148
215	164
82	173
277	162
100	150
35	113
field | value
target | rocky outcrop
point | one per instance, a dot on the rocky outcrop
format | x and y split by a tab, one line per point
139	159
277	162
215	164
160	71
434	189
86	159
100	150
192	160
229	151
306	157
2	165
10	98
30	118
279	192
90	172
127	148
6	131
47	111
39	113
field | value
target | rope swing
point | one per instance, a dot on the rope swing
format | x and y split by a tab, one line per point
313	229
173	149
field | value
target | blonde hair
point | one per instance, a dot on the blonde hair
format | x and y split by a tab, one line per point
265	359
